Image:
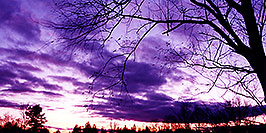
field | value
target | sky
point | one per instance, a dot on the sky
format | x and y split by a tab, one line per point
34	70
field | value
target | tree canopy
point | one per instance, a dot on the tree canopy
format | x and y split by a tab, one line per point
224	38
35	117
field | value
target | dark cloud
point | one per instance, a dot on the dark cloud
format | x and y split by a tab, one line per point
6	76
24	26
13	54
158	97
22	77
150	49
5	73
154	107
20	89
5	103
86	69
17	54
81	87
34	81
49	93
7	9
13	17
12	70
159	107
139	76
142	75
24	66
63	78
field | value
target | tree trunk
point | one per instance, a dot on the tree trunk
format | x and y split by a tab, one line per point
258	63
261	73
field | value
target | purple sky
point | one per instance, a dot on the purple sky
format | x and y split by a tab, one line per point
34	71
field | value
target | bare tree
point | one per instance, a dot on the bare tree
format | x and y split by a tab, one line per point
225	38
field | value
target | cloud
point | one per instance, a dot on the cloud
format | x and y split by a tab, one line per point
34	81
12	70
7	9
24	26
80	87
149	50
143	75
160	107
51	94
19	21
19	88
22	55
142	78
158	97
6	76
5	103
63	78
24	66
132	108
19	77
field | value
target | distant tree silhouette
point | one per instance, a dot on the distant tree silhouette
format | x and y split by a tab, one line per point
10	127
147	130
9	124
89	129
94	128
35	117
113	126
134	128
103	130
76	129
57	131
43	130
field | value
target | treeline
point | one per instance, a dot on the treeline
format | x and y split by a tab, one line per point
33	121
9	125
14	127
176	128
93	129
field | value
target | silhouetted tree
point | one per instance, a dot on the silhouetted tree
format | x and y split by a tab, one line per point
225	36
23	121
77	129
125	129
35	117
11	128
9	124
57	131
134	128
87	128
94	128
103	130
146	130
